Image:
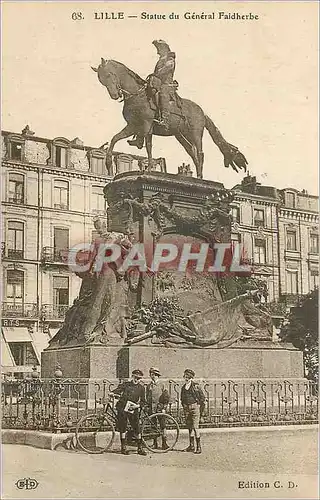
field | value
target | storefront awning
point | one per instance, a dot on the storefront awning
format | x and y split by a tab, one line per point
6	356
16	334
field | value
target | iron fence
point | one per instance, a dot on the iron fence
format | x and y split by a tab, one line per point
57	404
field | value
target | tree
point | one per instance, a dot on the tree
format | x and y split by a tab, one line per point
301	329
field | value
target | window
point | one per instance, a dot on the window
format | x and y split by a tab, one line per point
15	240
23	353
98	165
292	282
16	188
61	194
60	243
16	150
258	218
124	164
60	295
98	200
291	239
314	280
15	281
290	200
259	251
61	156
314	243
235	213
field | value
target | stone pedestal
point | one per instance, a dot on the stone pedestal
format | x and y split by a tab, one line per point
185	214
258	360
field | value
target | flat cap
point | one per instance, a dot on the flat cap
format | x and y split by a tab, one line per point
137	373
155	371
189	372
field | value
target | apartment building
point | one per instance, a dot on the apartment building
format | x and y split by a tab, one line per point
298	222
52	189
279	232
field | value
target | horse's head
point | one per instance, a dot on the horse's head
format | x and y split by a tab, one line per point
108	78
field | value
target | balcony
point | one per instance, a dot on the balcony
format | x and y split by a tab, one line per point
17	200
291	300
259	223
53	312
26	310
61	206
96	211
51	255
11	253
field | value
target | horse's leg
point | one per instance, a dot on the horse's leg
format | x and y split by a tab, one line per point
123	134
190	149
149	150
197	142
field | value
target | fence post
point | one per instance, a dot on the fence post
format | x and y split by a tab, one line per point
58	388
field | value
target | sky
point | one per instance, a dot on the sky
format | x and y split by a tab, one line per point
257	80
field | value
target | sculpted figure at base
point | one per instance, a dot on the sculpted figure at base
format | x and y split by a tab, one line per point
100	309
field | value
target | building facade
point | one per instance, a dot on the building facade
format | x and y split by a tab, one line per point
51	192
298	244
280	235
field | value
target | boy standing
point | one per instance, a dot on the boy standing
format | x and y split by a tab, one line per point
193	402
157	401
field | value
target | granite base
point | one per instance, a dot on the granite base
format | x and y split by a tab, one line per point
248	361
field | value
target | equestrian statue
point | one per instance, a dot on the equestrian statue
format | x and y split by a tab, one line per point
153	107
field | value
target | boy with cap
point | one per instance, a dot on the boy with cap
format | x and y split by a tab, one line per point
132	397
193	402
157	401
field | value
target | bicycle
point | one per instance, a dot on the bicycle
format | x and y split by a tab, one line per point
95	432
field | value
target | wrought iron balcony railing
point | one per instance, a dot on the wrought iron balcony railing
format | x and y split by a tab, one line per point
18	200
50	311
11	253
258	223
61	206
291	300
25	310
54	255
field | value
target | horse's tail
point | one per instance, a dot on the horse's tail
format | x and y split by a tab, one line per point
232	156
215	134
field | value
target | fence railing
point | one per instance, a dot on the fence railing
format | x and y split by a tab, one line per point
56	404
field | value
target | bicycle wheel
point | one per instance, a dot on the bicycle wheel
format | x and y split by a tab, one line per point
159	432
95	433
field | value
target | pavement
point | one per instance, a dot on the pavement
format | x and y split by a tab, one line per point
277	463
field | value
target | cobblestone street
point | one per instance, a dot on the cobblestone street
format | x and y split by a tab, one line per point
257	455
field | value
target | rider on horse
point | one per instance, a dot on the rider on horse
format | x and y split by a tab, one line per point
162	86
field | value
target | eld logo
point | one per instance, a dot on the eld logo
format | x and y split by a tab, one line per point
27	483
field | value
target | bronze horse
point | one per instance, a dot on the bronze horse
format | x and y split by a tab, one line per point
187	120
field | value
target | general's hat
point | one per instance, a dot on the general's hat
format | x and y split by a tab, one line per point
157	43
155	371
137	373
189	372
